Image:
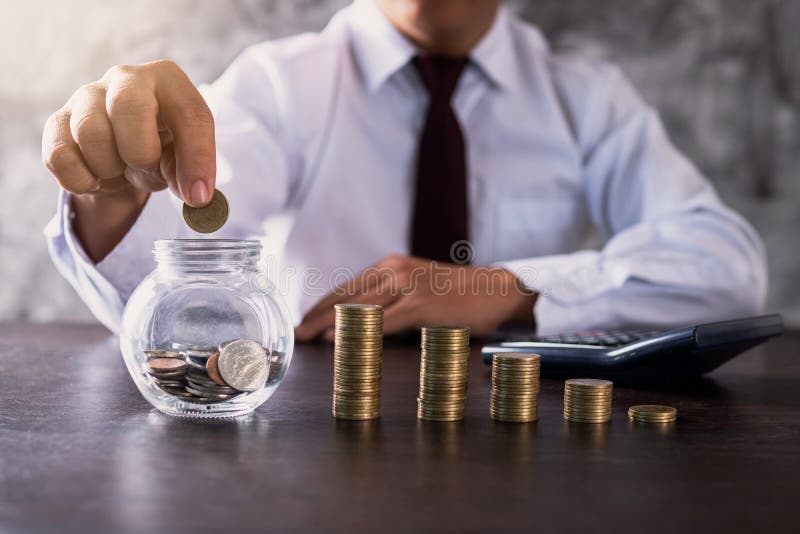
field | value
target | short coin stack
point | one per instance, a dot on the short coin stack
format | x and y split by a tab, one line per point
651	413
515	387
443	373
357	361
168	370
587	400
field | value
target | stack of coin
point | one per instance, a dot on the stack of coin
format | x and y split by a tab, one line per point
443	373
168	371
357	361
587	400
651	413
515	387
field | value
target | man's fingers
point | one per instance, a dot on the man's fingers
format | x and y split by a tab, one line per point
399	317
314	326
145	179
62	156
132	109
191	123
92	131
382	273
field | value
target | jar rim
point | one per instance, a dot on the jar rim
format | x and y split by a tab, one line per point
205	245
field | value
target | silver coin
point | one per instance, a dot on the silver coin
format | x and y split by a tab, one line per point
182	347
202	381
199	355
216	390
178	392
243	365
197	374
196	363
205	395
171	383
226	343
202	400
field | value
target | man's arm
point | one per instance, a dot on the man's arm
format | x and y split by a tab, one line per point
105	252
674	253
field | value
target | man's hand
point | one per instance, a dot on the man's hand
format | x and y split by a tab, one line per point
417	292
137	130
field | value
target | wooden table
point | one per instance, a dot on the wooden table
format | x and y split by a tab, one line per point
81	450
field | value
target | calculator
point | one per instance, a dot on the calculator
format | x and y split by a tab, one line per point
641	357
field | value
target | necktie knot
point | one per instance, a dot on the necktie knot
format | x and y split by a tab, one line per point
439	74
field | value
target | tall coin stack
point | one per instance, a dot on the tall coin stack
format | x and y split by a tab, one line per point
515	387
443	373
587	400
357	361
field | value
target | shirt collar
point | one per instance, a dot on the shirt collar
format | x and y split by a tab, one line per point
495	55
381	50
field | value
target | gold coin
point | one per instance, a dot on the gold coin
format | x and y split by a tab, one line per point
590	421
356	374
515	374
452	351
518	394
588	383
516	358
504	419
444	372
514	410
495	410
654	410
440	419
210	217
519	383
588	393
357	417
343	402
653	417
587	411
440	411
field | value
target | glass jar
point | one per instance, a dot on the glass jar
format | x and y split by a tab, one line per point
206	334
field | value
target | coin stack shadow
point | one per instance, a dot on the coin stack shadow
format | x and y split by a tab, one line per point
357	354
443	373
651	413
587	400
515	387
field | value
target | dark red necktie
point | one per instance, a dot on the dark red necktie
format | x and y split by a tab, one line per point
440	208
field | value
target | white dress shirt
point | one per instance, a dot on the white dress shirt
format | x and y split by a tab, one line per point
317	137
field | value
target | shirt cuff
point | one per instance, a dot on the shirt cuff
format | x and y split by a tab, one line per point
562	282
132	259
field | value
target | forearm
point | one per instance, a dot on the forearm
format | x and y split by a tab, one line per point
101	221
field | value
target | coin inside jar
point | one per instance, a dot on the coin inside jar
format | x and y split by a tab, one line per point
243	365
210	217
213	370
161	365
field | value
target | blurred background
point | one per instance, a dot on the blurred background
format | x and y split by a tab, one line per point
724	73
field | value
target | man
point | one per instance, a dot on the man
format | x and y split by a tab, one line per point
404	132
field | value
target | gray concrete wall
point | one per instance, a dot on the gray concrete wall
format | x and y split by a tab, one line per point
725	74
